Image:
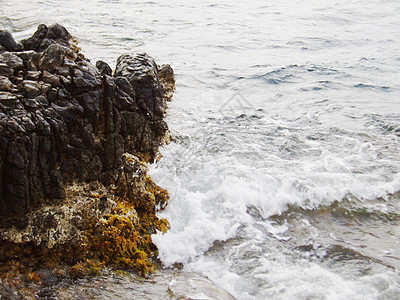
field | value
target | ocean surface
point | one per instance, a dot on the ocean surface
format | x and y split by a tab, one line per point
285	171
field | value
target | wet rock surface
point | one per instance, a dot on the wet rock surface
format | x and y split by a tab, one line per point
162	285
75	141
64	119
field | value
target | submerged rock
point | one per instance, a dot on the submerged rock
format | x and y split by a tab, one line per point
165	284
74	144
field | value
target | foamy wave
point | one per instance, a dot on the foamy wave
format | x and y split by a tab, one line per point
210	202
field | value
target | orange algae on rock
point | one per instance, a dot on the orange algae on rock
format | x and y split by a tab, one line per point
123	237
97	226
85	268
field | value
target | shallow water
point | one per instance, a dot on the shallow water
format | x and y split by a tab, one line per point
285	173
162	285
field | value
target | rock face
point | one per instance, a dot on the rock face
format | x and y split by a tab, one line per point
64	120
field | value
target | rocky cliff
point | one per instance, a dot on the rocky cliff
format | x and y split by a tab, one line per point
64	119
74	142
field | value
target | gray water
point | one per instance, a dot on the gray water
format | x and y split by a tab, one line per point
285	173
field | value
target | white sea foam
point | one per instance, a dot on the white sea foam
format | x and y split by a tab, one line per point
212	193
210	203
280	279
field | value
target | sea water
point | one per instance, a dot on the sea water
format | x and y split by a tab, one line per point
285	170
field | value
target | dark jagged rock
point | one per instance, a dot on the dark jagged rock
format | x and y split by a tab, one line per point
45	36
75	140
63	119
167	79
104	68
8	43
